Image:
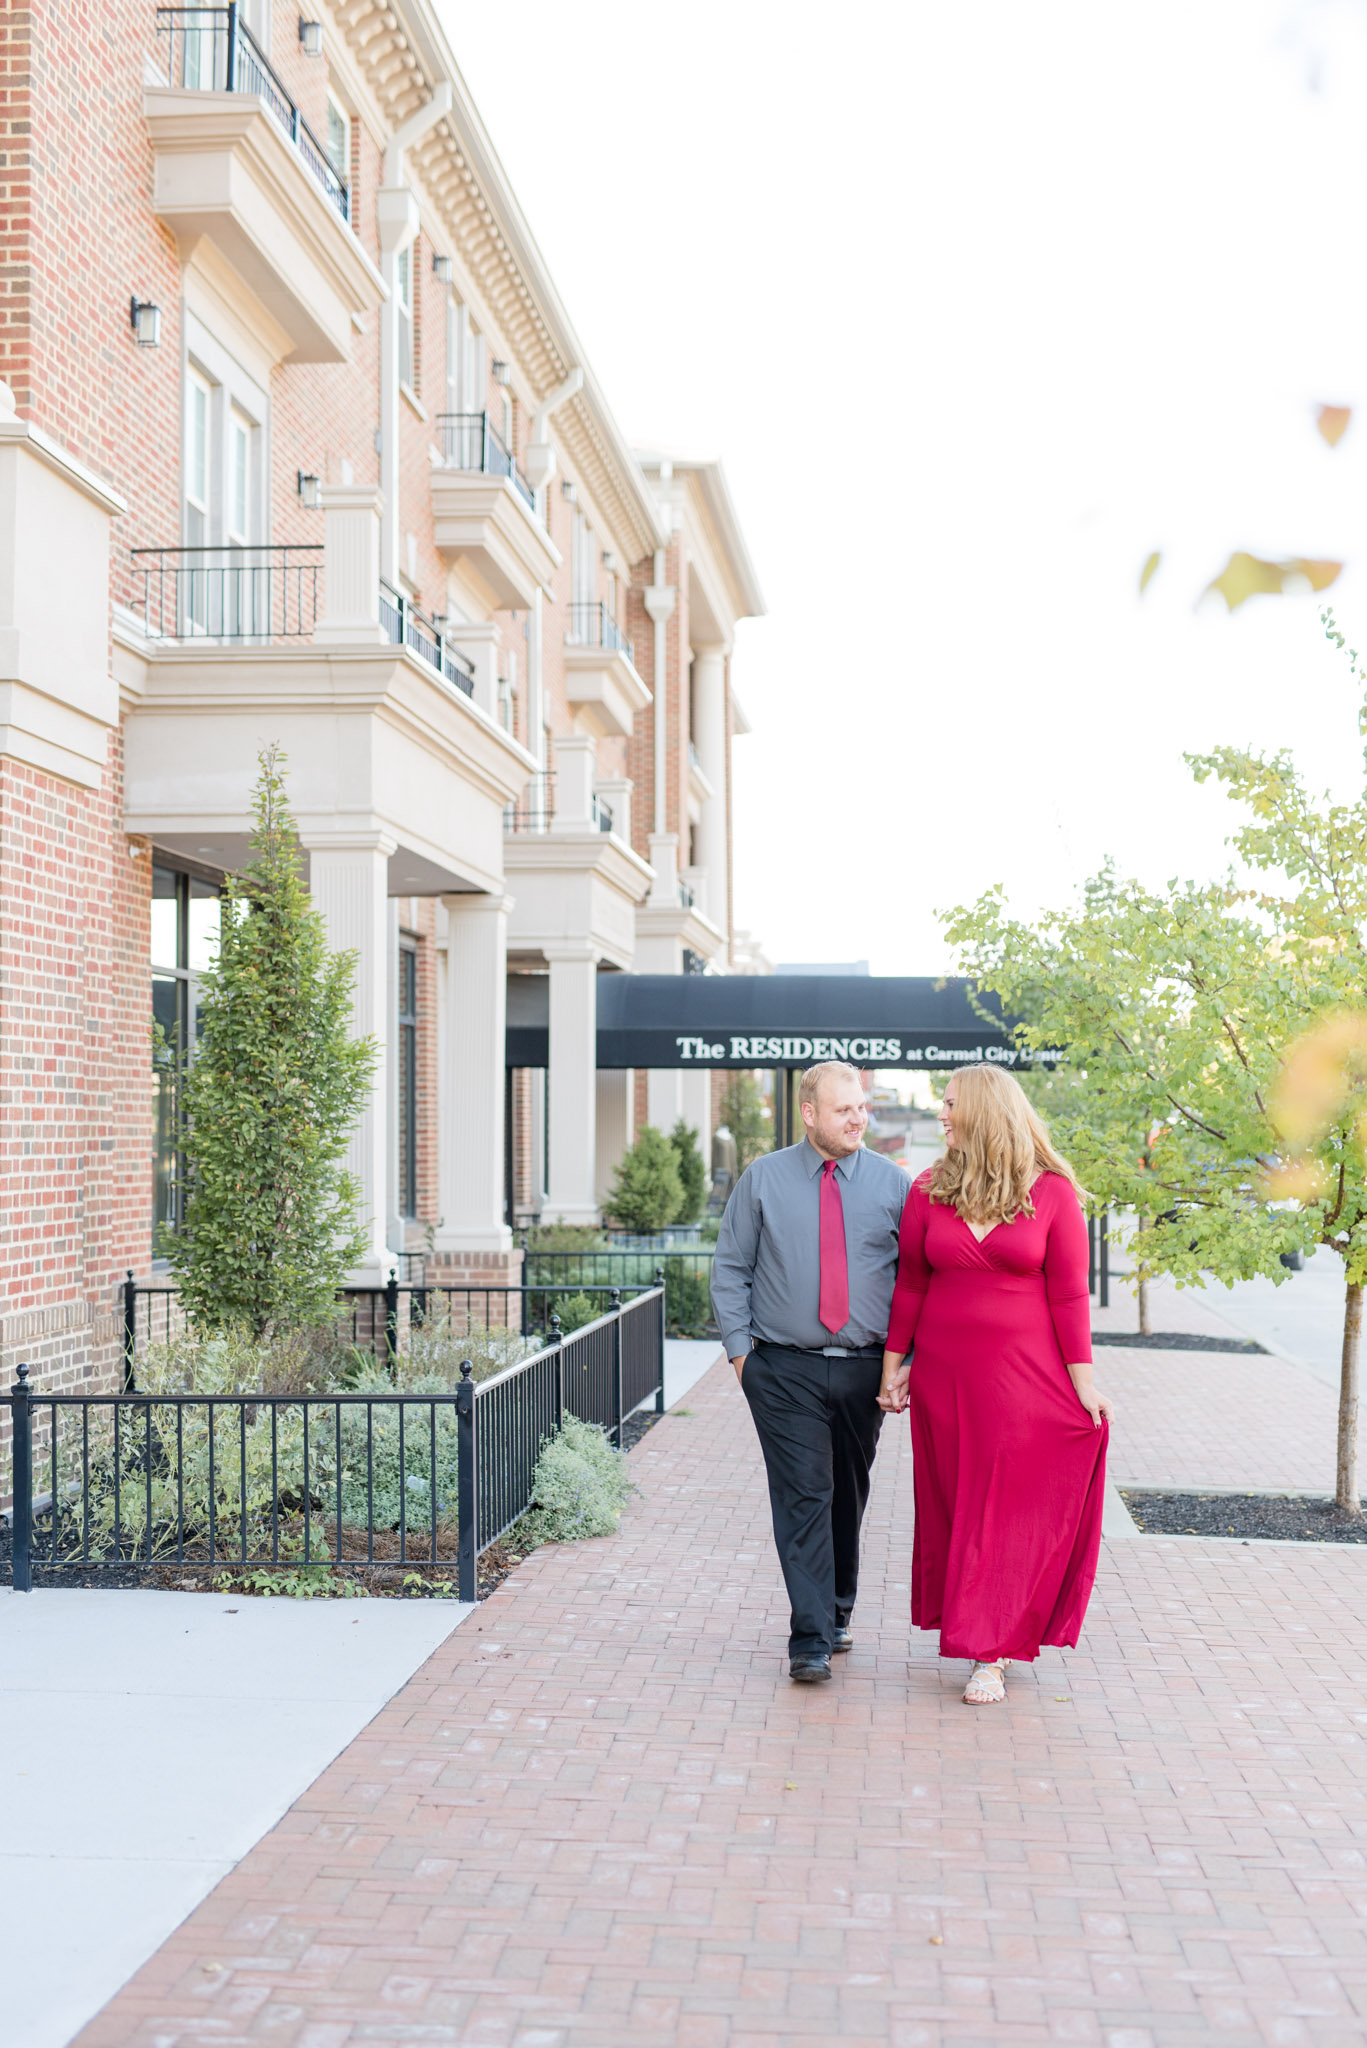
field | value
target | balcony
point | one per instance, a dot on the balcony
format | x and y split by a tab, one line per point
535	810
238	167
601	682
410	628
484	512
468	442
259	596
210	50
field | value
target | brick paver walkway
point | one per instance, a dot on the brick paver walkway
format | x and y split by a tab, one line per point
1215	1418
601	1816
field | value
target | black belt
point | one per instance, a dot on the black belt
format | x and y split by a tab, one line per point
824	1351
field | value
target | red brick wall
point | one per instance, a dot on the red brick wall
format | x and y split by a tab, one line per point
75	1073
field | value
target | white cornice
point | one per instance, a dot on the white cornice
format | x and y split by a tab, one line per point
401	48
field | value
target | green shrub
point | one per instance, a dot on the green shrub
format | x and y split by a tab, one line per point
746	1115
692	1172
267	1104
440	1345
579	1488
564	1237
646	1189
688	1301
368	1468
574	1310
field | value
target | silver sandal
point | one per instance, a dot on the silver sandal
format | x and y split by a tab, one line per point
986	1683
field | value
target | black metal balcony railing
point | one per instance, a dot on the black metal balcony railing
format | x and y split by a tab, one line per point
408	627
227	593
468	441
212	50
592	625
536	811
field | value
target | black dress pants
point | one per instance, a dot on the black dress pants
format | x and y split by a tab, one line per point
818	1422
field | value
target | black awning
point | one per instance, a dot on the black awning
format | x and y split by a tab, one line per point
779	1020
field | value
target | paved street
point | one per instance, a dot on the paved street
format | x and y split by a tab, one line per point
600	1815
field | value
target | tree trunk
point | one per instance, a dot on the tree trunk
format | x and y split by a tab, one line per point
1142	1271
1349	1495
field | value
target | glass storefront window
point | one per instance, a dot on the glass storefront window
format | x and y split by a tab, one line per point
184	941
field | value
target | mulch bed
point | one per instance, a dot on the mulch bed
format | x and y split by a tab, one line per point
401	1581
1177	1340
1285	1517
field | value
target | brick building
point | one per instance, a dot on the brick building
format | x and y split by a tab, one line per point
298	445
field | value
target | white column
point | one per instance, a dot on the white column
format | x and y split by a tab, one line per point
349	883
615	792
696	1108
470	1138
481	640
664	859
576	757
709	737
397	219
351	567
616	1097
571	1077
664	1098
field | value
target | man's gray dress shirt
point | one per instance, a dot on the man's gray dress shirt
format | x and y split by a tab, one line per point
766	1275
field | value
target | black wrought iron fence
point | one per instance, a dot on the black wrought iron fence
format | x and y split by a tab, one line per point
384	1320
238	591
411	628
366	1479
686	1276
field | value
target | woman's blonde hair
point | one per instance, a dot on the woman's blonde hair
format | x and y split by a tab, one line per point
1000	1150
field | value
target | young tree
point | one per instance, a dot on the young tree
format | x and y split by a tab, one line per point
1178	1011
746	1115
646	1189
692	1172
269	1100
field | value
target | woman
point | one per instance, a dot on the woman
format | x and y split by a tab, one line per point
1008	1431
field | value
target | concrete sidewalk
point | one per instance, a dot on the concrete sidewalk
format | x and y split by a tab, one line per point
600	1815
147	1741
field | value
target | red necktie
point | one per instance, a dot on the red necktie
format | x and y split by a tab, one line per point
835	1273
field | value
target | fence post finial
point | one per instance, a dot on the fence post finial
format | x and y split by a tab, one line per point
467	1371
557	1331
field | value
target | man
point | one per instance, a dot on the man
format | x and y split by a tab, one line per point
801	1287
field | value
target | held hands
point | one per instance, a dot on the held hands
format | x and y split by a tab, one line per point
892	1394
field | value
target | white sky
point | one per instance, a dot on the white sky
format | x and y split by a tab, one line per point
978	304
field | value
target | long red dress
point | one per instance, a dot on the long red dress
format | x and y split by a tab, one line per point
1009	1467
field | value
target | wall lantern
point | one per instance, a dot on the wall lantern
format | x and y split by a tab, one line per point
502	375
610	562
310	492
146	322
568	492
441	269
311	36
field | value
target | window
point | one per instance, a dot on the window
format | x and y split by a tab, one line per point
239	477
583	574
405	304
197	455
408	1078
338	144
222	589
185	924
